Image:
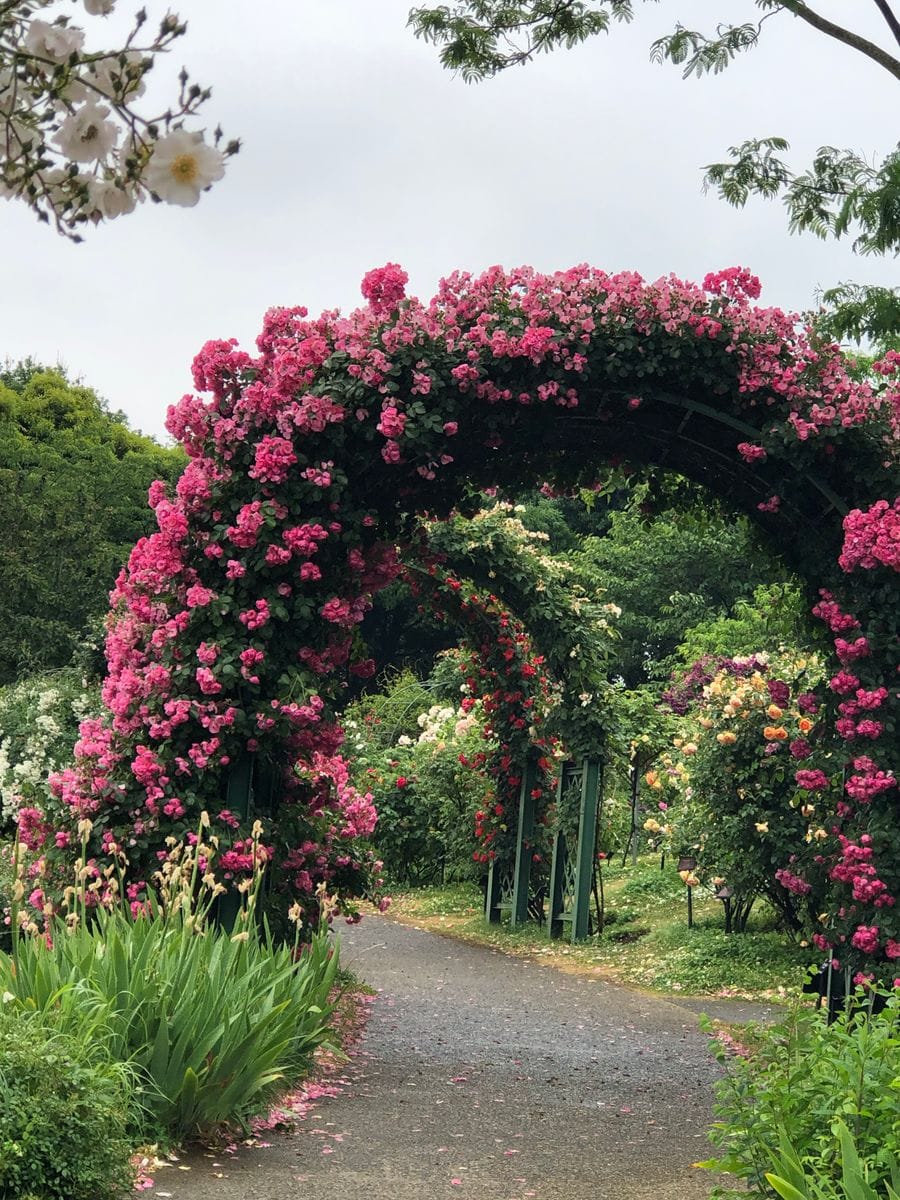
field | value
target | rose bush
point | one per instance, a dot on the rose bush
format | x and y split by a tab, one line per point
425	791
751	755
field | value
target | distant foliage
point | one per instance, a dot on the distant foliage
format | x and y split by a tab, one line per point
39	718
73	491
669	575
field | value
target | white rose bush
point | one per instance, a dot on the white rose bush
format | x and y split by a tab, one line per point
74	145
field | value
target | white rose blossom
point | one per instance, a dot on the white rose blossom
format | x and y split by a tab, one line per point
110	199
182	166
72	146
56	42
86	135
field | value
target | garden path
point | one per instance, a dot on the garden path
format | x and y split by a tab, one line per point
490	1077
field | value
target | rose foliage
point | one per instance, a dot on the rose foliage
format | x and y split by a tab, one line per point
752	761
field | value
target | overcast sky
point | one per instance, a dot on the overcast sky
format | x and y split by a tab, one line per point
359	149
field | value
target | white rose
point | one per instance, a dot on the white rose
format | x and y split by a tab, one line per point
85	135
109	200
181	166
129	82
53	41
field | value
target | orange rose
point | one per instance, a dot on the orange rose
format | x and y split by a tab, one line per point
775	733
774	712
804	724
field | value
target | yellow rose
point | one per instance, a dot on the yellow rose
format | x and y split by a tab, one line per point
762	826
727	738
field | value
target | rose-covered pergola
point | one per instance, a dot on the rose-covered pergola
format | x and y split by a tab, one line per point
234	626
538	650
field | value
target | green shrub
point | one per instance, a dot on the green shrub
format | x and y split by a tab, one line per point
63	1112
411	754
212	1023
803	1077
793	1182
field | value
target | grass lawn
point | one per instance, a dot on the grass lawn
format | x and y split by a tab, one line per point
646	942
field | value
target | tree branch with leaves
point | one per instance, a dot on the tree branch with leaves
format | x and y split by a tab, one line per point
840	194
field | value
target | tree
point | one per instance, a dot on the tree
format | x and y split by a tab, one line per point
840	193
73	491
775	616
668	575
73	146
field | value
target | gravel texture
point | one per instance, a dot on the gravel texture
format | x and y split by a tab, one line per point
483	1075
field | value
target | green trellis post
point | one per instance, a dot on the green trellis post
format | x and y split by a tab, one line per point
493	895
238	798
250	789
522	873
511	892
572	870
239	790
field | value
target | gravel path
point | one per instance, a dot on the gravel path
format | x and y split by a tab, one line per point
490	1077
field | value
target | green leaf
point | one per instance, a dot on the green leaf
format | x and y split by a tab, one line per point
786	1190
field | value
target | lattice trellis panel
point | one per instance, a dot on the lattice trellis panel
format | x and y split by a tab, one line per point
572	871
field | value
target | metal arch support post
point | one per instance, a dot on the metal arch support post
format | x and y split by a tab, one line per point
239	791
239	799
524	839
557	870
492	896
587	836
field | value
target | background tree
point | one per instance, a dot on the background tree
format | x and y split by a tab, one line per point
73	491
680	570
841	193
776	615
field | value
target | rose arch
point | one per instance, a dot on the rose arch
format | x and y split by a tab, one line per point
233	626
537	656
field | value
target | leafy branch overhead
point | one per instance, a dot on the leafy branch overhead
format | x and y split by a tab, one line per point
840	194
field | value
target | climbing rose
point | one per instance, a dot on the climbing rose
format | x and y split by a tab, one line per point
385	287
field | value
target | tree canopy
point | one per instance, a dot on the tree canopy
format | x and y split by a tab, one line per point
73	489
840	193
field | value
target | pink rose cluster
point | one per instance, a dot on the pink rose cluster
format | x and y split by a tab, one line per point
872	538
